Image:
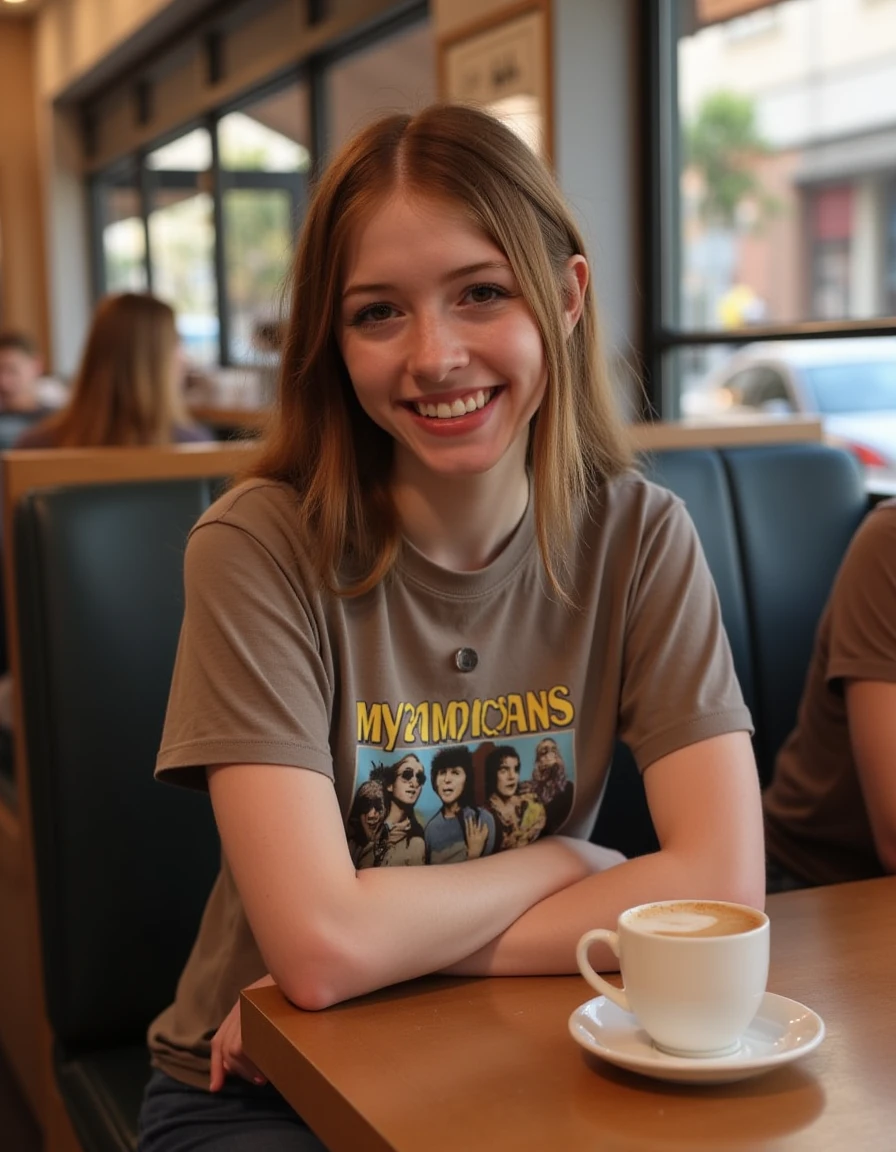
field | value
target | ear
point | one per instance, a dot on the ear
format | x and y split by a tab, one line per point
575	282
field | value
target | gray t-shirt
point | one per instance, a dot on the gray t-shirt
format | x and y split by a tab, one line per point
271	668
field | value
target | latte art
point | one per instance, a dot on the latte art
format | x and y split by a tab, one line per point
690	918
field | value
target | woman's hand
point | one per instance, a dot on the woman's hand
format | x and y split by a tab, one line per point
228	1058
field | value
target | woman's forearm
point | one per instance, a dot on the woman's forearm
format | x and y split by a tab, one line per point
543	939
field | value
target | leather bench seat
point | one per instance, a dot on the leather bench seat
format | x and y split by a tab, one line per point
774	521
123	864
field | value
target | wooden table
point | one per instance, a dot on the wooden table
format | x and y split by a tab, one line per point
441	1065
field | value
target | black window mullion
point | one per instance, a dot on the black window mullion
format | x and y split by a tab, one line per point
145	184
219	249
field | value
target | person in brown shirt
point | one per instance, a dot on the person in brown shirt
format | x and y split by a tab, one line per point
830	810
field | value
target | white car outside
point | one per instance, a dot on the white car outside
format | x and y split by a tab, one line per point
849	384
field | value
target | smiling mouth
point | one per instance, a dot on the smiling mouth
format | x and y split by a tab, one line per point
462	406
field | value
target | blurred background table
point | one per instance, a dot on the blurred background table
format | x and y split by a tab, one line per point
441	1065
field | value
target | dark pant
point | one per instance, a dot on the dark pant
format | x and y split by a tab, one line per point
778	879
240	1118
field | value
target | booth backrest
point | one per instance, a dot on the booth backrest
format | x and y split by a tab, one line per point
774	521
123	865
24	1031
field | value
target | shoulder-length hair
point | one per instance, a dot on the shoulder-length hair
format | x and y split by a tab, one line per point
126	390
323	444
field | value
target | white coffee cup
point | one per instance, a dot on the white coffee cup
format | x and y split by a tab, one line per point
694	972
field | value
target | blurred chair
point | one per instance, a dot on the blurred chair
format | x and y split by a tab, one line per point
93	895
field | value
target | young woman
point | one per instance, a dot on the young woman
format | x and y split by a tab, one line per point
364	825
128	386
443	542
519	815
402	833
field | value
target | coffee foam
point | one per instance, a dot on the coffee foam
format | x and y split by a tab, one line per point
696	918
676	923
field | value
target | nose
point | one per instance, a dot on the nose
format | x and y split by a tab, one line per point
435	349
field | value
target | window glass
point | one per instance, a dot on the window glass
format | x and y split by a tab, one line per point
122	235
782	144
787	145
396	74
265	158
182	240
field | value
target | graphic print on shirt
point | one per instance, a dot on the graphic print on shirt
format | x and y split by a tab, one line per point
457	801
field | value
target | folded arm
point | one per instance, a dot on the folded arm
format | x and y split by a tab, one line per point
705	804
327	932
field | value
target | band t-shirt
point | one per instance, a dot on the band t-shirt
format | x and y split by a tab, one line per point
816	820
272	668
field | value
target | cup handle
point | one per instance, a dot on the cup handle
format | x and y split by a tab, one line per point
617	995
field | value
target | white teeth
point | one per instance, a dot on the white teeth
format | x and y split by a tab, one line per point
457	407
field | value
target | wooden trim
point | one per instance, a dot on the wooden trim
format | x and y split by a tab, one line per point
24	1031
652	437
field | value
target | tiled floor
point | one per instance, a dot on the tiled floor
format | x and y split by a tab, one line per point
18	1132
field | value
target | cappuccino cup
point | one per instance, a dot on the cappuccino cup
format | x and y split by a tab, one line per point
694	972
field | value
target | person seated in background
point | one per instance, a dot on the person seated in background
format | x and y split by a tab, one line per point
128	388
830	810
21	375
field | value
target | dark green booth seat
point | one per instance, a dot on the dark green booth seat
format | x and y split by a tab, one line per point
774	521
123	865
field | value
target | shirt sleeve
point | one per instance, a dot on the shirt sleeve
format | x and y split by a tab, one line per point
251	683
863	605
679	684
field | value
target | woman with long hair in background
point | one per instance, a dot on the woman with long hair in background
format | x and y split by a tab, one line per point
128	388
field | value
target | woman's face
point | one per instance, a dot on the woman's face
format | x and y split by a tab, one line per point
372	817
442	349
508	777
547	752
450	783
408	783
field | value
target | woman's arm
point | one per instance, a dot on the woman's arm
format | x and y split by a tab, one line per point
705	804
871	712
327	932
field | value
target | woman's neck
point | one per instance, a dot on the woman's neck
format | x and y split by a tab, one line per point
461	522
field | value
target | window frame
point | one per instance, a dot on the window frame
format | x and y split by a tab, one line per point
661	333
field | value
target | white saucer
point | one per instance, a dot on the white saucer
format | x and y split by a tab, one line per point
782	1030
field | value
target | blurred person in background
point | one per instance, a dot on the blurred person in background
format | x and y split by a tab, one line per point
23	387
127	392
129	386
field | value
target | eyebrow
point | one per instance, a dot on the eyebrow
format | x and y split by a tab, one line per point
454	274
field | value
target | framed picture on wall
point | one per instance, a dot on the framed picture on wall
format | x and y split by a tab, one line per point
504	63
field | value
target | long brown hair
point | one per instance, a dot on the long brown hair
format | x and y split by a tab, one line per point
319	439
126	389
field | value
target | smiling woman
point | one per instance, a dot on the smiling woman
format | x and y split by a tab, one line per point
441	541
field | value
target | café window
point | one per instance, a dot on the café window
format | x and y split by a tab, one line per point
206	214
181	231
773	185
265	159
